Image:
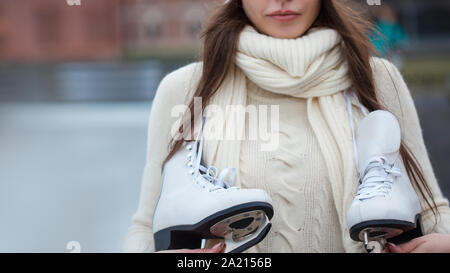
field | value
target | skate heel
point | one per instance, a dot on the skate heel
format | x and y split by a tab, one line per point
395	231
409	234
169	238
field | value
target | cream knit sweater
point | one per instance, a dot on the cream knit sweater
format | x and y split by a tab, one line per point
295	175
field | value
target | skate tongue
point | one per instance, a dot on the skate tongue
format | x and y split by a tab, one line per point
378	134
211	177
209	184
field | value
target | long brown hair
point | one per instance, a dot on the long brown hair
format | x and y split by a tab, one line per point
220	36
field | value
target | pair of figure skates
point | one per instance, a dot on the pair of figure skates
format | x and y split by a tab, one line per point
198	203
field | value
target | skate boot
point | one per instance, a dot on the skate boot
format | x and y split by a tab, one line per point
386	207
198	203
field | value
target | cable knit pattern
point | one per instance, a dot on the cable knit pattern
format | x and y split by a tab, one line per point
309	205
295	177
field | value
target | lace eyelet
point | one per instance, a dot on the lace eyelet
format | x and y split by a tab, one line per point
189	147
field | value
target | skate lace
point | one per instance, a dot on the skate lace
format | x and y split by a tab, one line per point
376	178
213	180
212	175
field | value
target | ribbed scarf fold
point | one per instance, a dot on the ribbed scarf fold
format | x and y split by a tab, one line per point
311	67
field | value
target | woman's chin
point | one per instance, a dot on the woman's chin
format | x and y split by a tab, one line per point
285	31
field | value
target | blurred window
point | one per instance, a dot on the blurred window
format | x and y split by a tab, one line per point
153	30
193	18
194	28
152	20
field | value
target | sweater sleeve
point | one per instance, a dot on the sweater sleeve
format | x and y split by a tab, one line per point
400	103
174	89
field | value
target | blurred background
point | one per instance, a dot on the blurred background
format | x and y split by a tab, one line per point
76	87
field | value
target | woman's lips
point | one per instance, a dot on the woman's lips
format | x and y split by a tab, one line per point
284	15
284	18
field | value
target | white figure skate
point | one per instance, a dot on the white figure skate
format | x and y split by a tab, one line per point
386	206
198	203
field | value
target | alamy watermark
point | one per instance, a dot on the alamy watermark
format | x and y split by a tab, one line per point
373	2
73	2
73	246
234	116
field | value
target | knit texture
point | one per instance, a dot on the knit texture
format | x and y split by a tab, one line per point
296	178
295	175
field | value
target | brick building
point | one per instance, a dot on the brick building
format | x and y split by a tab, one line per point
105	29
53	30
96	29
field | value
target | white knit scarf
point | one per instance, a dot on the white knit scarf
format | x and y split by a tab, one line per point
311	67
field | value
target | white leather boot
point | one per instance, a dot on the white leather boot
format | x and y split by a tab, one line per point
198	203
386	206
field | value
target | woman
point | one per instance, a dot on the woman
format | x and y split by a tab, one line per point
302	60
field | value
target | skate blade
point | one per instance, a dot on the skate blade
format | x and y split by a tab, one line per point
249	240
375	246
377	233
381	229
239	226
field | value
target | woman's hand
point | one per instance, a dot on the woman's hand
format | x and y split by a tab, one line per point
218	248
431	243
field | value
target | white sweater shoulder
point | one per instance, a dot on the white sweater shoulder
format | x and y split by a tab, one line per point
394	94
